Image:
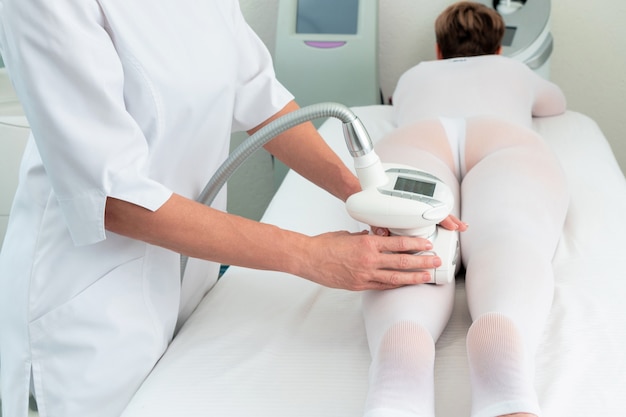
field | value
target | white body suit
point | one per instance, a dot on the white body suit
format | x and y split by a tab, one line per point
140	104
511	191
488	85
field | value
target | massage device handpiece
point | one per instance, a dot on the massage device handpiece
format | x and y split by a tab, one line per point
408	202
446	246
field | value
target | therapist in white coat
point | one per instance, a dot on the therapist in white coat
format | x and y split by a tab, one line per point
131	105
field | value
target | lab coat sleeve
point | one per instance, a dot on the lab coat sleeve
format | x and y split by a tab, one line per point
259	94
69	79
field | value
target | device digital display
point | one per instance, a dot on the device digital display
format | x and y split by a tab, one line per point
327	17
509	34
415	186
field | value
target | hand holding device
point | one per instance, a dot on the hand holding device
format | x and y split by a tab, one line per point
408	202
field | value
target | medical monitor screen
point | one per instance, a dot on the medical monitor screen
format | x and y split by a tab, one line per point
509	34
327	17
414	186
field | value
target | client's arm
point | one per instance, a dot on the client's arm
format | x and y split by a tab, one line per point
549	99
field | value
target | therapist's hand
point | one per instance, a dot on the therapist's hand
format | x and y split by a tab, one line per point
362	261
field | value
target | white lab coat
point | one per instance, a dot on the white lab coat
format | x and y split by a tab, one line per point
128	99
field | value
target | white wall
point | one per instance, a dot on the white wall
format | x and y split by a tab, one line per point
589	63
589	60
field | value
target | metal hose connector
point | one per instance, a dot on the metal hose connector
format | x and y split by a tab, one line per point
356	136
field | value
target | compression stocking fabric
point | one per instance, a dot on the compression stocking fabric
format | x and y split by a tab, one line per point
401	374
501	368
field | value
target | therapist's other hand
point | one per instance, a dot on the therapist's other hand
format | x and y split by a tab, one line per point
362	261
453	223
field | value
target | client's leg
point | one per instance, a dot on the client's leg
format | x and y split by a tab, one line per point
403	324
515	200
402	327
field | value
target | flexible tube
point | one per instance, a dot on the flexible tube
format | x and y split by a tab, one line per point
356	136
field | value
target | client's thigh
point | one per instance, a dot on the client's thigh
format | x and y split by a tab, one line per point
424	146
428	305
514	198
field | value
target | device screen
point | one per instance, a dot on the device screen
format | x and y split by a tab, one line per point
327	16
414	186
509	34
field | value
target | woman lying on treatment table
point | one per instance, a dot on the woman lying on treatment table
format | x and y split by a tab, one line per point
466	118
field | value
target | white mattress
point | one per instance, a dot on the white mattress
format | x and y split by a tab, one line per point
268	344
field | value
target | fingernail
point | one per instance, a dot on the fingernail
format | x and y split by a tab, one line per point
426	277
437	262
429	245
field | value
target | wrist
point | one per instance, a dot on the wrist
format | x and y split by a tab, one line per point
351	186
297	258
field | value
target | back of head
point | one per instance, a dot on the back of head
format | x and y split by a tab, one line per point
469	29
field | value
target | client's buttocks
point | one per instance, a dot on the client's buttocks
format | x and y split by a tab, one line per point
485	136
458	143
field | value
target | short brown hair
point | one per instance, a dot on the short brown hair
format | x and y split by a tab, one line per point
469	29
